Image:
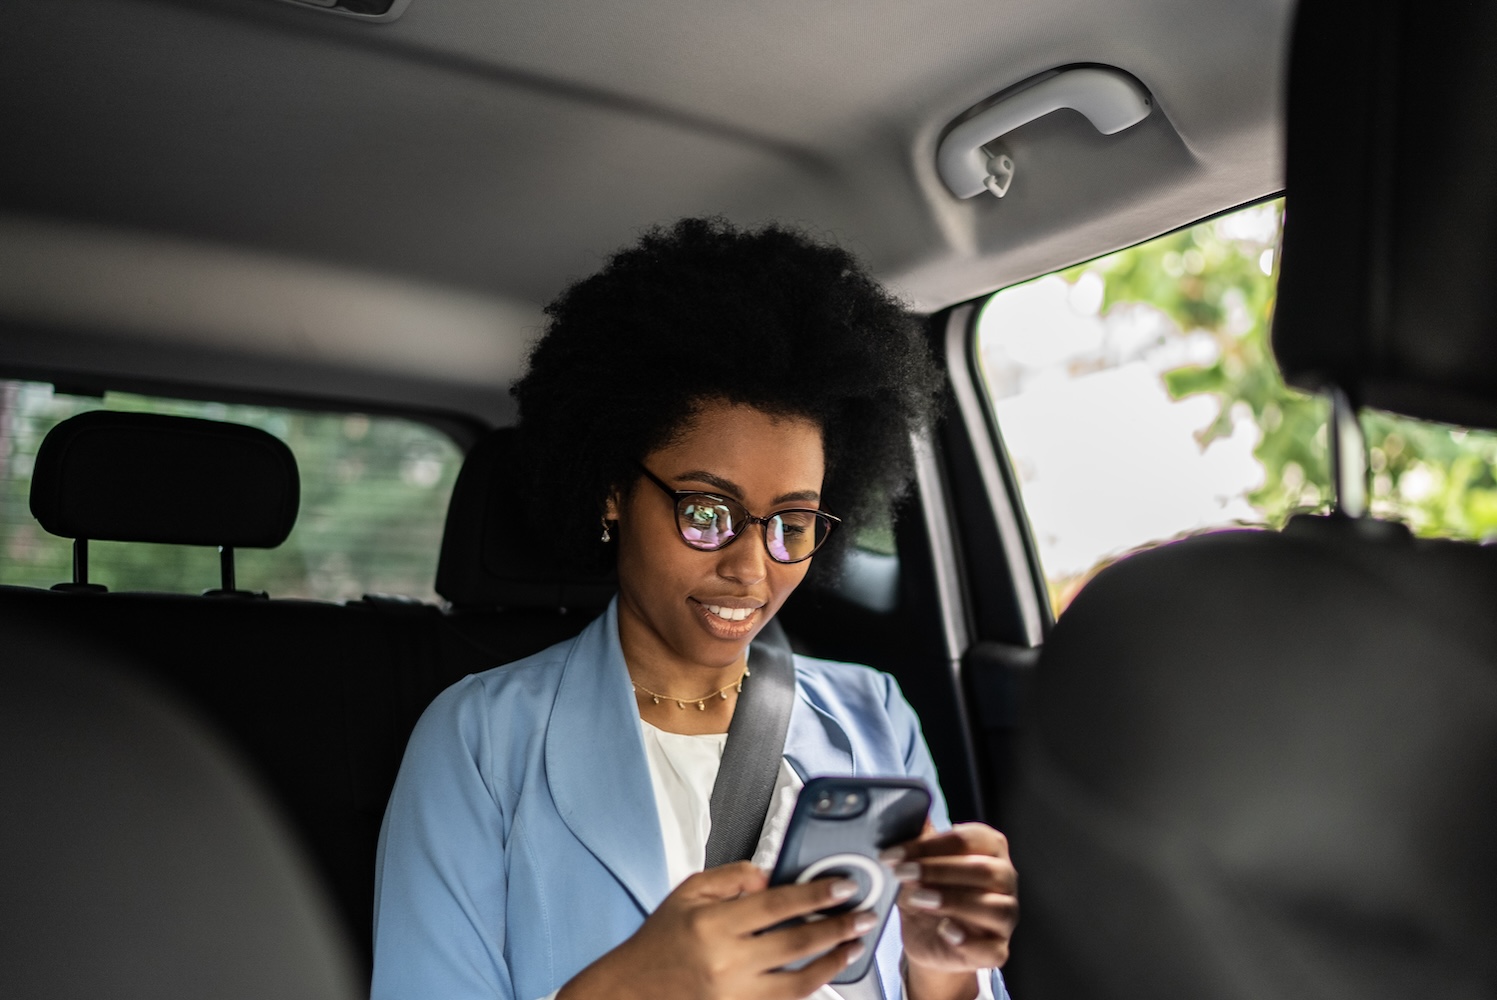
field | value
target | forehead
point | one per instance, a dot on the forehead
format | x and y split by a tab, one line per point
765	453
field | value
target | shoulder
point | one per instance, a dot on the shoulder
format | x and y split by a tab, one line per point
499	713
852	692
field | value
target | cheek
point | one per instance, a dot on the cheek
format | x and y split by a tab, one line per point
655	571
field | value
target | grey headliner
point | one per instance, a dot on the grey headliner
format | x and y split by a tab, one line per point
475	155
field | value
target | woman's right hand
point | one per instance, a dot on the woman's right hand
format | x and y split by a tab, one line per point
701	943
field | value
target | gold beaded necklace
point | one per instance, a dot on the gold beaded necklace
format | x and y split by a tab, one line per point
701	703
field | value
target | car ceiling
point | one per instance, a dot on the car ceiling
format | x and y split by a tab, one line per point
260	197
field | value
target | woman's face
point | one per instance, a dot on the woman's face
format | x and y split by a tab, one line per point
668	590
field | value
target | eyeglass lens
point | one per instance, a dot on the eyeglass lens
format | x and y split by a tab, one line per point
709	523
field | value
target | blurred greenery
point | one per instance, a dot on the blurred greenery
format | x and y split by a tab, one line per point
373	501
1218	278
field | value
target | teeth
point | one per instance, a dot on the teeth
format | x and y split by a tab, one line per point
730	614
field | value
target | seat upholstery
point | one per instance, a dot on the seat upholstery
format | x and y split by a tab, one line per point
142	477
1391	235
137	859
1262	764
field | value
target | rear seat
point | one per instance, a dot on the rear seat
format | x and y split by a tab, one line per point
319	697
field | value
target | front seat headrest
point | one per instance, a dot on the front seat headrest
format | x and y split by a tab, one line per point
491	555
141	477
1390	233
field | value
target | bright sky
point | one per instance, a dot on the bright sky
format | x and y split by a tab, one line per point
1106	459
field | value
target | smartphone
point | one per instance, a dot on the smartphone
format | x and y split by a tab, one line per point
837	830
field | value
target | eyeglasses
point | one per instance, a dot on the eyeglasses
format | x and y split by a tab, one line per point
708	522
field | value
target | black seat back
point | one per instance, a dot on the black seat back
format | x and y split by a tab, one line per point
137	858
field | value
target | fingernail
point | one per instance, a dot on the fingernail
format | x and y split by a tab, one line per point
891	855
950	932
925	899
907	872
864	922
844	888
855	952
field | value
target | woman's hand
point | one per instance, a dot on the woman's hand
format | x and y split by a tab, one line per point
958	906
701	943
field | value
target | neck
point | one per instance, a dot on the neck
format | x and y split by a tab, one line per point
668	689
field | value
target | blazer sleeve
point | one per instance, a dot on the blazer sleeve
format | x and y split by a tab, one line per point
440	877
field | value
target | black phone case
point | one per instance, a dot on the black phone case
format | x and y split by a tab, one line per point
895	812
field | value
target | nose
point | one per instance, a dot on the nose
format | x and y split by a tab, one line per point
746	562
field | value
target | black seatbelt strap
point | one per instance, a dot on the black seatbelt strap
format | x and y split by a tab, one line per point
751	757
751	766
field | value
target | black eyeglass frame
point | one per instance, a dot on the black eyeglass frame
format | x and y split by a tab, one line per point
749	520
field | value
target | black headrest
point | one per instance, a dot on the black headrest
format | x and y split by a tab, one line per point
140	477
1390	238
492	557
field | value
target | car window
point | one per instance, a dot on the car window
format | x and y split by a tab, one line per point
374	493
1138	401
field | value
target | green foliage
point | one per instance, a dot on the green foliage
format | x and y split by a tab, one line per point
373	502
1210	279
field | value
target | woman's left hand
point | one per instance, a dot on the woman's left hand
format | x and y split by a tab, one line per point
959	903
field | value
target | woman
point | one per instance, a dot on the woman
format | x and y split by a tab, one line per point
698	410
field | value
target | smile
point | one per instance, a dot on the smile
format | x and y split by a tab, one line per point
729	614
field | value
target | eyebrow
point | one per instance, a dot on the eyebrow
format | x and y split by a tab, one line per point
735	491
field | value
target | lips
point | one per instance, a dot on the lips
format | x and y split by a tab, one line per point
727	621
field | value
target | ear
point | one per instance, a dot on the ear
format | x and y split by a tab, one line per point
611	507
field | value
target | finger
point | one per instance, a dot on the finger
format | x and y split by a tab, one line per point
803	940
964	838
972	948
724	882
803	982
994	912
970	871
765	909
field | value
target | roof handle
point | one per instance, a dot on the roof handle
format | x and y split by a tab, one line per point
1109	98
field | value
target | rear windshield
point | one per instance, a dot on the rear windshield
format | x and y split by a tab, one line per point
374	496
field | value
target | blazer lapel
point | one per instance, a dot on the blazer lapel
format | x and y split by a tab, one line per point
816	743
596	768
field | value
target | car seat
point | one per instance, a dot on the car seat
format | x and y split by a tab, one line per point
137	857
1264	764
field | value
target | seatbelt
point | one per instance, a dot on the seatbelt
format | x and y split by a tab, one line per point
751	757
751	766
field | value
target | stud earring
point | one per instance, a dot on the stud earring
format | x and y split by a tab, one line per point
607	537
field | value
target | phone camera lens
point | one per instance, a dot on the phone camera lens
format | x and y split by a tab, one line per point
823	803
851	800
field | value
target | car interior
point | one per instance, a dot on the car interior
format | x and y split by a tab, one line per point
1249	763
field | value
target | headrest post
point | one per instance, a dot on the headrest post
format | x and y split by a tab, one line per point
1348	456
80	561
226	568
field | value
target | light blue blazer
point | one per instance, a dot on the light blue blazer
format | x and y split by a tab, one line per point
522	840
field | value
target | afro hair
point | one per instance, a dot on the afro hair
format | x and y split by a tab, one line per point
701	311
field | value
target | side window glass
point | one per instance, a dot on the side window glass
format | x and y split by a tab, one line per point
1139	401
374	494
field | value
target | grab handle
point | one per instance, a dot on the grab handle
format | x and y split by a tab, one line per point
1110	99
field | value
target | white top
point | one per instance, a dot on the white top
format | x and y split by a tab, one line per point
683	770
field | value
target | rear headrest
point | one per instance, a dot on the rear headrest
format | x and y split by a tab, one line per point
140	477
491	555
1390	237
